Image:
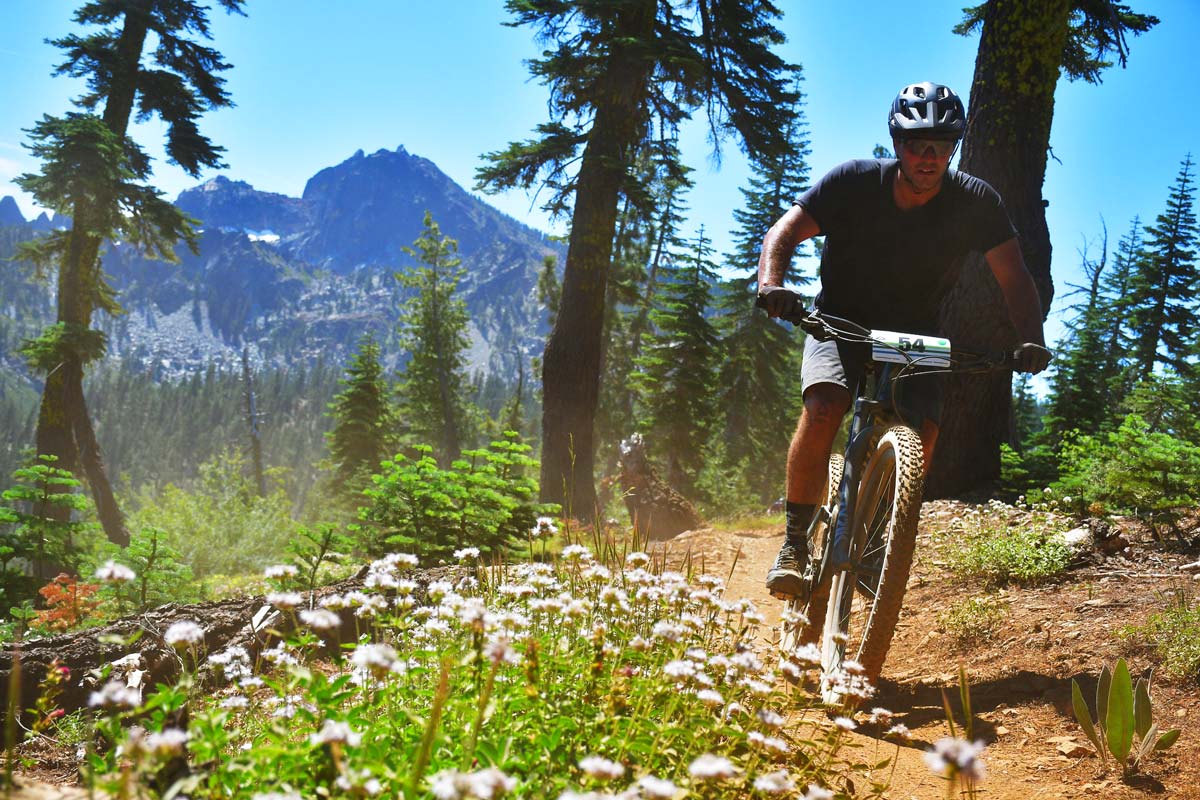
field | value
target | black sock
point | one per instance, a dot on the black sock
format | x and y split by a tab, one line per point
798	516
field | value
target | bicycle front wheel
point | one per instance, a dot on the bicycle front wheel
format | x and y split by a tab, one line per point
865	596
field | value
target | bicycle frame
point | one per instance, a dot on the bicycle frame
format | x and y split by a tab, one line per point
872	415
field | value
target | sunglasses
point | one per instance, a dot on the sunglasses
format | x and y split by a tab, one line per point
918	147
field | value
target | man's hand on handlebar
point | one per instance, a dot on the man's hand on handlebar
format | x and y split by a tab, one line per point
1032	358
780	302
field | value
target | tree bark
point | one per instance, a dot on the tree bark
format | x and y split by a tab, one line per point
571	365
1006	144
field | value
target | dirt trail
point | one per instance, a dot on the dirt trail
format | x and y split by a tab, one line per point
1020	678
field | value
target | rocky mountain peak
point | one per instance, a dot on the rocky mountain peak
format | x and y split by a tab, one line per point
10	213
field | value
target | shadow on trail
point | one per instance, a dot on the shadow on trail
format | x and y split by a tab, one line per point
920	704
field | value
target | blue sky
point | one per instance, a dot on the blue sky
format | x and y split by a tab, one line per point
314	81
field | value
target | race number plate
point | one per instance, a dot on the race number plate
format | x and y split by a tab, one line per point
910	348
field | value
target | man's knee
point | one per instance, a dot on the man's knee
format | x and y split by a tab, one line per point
824	405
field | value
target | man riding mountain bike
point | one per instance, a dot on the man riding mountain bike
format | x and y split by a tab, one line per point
896	233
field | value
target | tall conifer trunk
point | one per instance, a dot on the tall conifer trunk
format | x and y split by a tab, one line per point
1011	108
571	365
64	428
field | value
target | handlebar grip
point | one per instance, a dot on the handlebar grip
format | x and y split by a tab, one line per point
796	317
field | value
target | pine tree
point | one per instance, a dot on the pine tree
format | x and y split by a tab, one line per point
620	74
1163	286
1026	421
677	375
647	229
362	419
94	173
1117	338
433	329
1079	398
759	356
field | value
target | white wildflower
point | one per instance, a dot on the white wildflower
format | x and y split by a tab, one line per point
880	716
899	730
320	619
168	742
235	701
657	788
709	767
710	697
378	659
115	694
358	782
814	792
771	744
956	757
473	615
576	553
543	527
499	650
285	601
639	644
602	768
845	723
467	554
184	634
334	731
774	783
280	571
770	719
112	572
636	560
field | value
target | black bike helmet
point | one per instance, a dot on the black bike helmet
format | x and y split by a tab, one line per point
927	110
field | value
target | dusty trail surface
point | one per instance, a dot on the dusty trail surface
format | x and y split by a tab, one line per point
1020	676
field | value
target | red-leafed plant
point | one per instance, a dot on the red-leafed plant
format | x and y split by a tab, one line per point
68	603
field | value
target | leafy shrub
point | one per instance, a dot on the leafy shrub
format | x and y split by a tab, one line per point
972	618
69	603
485	500
1124	723
223	526
1174	636
32	537
160	576
998	554
318	551
1134	468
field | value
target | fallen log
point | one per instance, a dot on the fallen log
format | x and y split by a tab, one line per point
135	648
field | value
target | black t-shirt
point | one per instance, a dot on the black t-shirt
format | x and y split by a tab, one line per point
890	269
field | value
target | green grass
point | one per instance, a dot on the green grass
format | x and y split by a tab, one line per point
749	522
972	618
1174	636
999	555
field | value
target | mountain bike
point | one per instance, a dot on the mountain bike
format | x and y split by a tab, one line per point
862	537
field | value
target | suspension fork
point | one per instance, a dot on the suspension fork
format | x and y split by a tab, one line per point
862	430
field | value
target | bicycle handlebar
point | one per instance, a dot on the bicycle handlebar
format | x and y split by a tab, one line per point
824	327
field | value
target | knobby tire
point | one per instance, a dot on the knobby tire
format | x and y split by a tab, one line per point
884	532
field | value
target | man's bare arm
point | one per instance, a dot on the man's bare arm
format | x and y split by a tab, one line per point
780	243
1020	293
1024	305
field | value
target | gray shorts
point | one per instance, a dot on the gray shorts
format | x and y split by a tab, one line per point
919	395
